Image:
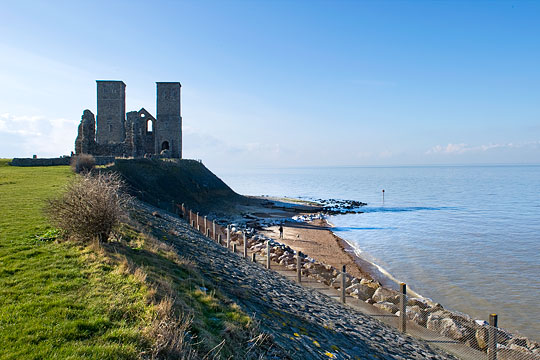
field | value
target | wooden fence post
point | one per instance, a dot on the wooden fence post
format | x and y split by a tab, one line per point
234	247
208	232
268	254
403	308
197	219
245	245
254	257
492	337
299	266
214	229
343	283
228	236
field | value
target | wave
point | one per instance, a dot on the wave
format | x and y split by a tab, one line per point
369	209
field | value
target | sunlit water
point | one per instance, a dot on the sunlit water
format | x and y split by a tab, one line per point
467	237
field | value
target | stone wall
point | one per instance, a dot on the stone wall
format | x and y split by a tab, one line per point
100	160
111	112
168	129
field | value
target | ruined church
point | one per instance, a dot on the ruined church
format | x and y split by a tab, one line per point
137	133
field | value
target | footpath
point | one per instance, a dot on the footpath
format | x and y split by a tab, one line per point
306	321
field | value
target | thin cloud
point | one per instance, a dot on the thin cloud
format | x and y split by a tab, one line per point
462	148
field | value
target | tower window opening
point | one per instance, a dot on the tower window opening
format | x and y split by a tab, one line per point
110	128
149	126
165	145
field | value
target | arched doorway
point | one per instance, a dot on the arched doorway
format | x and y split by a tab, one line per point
165	145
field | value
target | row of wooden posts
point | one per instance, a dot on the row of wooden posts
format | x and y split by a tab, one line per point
216	233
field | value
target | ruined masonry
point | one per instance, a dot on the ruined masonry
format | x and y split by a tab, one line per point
137	133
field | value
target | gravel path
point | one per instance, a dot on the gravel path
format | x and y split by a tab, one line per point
303	322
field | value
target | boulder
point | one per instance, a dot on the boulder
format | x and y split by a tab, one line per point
481	336
388	295
417	302
417	314
337	281
444	325
362	292
386	306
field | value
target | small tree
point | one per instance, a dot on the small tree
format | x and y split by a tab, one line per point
90	207
83	163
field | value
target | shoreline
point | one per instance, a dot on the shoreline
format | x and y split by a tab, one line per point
311	233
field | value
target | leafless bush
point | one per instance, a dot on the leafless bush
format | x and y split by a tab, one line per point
83	163
90	207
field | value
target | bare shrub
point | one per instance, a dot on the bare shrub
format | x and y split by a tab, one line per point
83	163
90	207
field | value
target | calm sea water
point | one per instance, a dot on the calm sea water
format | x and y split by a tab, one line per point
465	236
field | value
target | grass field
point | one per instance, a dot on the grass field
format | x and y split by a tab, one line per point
61	299
58	299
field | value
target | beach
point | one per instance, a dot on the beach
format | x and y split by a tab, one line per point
316	240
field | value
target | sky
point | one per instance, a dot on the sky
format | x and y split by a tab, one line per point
284	83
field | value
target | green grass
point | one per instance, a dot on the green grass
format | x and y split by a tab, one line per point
58	299
61	299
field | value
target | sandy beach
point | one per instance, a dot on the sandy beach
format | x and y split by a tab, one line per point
316	240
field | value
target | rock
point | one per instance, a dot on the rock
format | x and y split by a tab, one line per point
446	326
417	302
481	336
384	294
337	281
362	292
370	301
417	314
156	214
386	306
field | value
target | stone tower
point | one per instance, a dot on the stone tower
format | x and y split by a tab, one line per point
111	112
168	125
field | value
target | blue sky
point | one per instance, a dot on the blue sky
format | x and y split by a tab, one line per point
284	83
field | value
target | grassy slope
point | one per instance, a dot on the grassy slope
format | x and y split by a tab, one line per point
184	181
64	300
58	299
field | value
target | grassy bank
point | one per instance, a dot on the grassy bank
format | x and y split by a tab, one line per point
125	299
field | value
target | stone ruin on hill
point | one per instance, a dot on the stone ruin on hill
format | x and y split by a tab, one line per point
137	133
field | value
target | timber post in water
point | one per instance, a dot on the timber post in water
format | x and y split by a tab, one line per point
214	229
228	236
403	307
234	247
343	282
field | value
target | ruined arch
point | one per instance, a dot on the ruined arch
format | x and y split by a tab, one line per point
165	145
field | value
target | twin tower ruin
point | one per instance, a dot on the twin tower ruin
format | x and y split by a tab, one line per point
137	133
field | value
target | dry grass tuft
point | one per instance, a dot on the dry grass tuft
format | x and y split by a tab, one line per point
171	333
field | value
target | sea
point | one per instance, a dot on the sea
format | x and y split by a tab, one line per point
467	237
